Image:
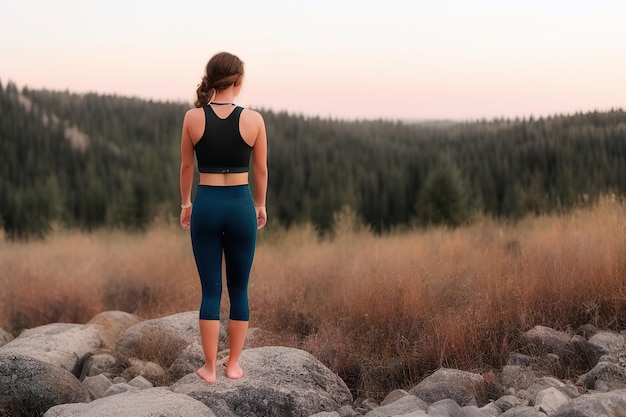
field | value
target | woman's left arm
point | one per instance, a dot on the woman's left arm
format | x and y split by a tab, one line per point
186	172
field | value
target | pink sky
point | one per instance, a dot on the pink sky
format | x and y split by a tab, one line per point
350	59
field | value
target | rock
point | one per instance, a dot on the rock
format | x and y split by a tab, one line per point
113	324
587	353
162	340
607	343
507	402
550	400
119	380
120	388
523	411
519	359
471	411
97	385
149	370
491	409
525	383
5	337
459	386
347	411
140	382
326	414
278	381
394	396
101	363
190	359
60	344
553	341
29	386
609	404
365	405
153	402
604	376
540	384
407	404
443	408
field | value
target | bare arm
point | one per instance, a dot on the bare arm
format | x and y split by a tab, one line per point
186	172
259	167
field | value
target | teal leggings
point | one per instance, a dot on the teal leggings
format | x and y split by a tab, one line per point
223	221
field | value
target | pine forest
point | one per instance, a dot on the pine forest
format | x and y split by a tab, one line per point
91	161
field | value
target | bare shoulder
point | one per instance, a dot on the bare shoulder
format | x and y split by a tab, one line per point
194	114
251	126
193	123
252	116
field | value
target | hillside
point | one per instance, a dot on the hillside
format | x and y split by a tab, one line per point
89	161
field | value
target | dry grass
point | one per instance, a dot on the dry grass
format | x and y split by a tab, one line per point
72	276
381	311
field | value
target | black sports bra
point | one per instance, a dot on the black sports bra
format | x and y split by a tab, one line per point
221	149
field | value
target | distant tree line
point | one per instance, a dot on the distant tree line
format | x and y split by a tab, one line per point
89	161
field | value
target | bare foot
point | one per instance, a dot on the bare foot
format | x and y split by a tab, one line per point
206	374
234	371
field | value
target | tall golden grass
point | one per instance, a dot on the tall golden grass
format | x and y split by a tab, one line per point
381	311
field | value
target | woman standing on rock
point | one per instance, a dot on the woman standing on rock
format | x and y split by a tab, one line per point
224	217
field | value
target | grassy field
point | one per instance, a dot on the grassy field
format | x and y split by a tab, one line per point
381	311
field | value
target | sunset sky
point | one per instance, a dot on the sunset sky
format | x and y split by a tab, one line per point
364	59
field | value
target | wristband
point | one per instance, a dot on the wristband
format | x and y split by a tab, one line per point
187	206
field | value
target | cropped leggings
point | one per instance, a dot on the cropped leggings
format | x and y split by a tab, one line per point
223	221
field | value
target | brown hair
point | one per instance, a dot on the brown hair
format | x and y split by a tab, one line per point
222	71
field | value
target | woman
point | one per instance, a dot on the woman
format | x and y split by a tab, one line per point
224	217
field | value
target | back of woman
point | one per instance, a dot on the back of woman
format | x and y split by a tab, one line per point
224	217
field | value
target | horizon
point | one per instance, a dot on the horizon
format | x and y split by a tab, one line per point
351	60
437	122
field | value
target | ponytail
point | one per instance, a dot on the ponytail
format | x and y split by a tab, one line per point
204	93
222	71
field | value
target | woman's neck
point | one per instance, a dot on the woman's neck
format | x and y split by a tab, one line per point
225	96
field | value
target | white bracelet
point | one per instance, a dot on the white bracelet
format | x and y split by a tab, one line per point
184	207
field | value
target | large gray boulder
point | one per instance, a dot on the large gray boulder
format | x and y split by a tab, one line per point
609	404
608	343
62	344
527	385
152	402
28	386
551	341
445	383
162	340
605	376
278	381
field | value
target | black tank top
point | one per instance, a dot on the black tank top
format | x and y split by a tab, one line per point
221	149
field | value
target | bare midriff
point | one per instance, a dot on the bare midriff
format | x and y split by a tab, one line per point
218	179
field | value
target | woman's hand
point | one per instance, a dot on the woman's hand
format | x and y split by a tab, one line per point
261	217
185	217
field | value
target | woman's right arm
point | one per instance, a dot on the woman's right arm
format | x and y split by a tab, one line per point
259	167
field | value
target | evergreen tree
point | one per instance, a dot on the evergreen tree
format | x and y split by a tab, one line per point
443	198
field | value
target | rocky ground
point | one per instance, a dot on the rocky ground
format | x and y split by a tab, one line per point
121	365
